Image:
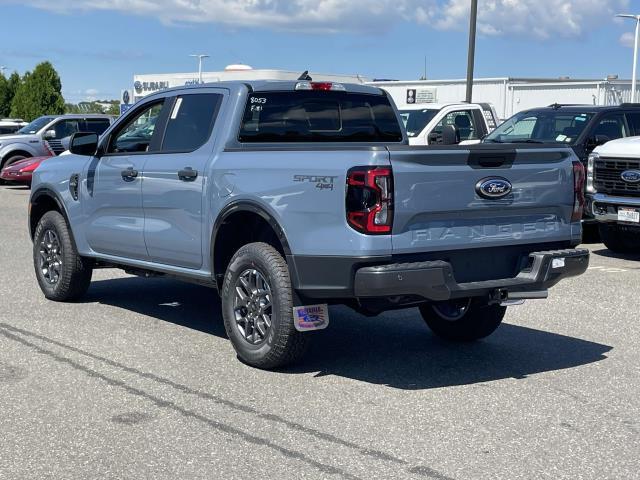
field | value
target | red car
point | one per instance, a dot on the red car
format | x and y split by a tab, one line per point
22	170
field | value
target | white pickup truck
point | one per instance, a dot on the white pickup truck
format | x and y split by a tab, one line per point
448	123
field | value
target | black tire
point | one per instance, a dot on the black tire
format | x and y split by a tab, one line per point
475	319
620	239
13	159
62	274
590	233
281	344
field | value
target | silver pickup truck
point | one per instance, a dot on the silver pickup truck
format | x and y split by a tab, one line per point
289	196
43	136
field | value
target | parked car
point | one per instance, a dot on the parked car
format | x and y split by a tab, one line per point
44	136
613	186
426	123
11	125
21	171
289	196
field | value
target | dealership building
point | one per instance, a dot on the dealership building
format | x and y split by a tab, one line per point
507	94
146	84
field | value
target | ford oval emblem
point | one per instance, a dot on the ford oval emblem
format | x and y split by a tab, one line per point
493	187
631	176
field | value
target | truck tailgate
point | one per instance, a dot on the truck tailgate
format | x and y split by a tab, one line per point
439	204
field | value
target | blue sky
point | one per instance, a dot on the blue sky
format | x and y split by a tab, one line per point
97	45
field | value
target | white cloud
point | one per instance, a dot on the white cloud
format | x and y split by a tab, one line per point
627	39
542	19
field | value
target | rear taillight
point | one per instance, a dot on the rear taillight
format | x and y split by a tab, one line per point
369	200
578	191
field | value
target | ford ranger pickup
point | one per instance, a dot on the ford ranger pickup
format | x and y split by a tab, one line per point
287	197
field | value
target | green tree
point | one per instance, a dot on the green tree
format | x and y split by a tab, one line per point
5	102
40	93
8	89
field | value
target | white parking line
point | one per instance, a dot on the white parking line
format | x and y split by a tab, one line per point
608	269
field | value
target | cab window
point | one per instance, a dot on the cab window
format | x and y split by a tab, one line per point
66	128
96	125
464	122
136	134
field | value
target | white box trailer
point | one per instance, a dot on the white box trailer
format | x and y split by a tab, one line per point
511	95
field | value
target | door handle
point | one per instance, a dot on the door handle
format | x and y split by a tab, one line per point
129	174
187	174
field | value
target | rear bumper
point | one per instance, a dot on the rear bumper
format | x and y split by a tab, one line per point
605	207
435	281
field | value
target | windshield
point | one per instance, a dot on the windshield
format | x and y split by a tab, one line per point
415	120
546	126
35	126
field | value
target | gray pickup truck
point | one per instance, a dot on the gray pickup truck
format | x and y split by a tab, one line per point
290	196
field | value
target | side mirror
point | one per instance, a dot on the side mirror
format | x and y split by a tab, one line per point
49	134
434	138
84	143
450	135
601	140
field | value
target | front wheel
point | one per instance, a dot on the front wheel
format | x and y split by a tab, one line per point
462	320
257	308
620	239
62	274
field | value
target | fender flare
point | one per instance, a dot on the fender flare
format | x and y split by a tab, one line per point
47	192
252	207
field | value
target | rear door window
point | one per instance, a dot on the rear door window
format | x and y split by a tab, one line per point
633	119
191	122
612	126
319	116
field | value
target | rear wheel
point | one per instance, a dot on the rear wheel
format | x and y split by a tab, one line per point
462	320
620	239
9	161
62	274
257	308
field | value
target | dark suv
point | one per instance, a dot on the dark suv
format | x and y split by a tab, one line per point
581	127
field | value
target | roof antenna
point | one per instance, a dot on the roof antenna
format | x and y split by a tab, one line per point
305	76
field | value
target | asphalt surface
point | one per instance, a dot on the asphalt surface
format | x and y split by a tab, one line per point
139	381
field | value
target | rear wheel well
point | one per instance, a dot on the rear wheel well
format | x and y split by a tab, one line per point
42	204
238	229
13	154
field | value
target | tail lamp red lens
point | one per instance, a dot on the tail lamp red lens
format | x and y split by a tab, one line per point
578	191
369	200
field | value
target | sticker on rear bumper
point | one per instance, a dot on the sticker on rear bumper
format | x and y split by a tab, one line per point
311	317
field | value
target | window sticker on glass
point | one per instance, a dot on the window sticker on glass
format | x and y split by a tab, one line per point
581	118
561	138
176	109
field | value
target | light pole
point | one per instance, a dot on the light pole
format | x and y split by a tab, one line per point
2	69
472	48
635	53
199	56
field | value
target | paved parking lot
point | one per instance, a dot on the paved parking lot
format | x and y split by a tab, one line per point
138	381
